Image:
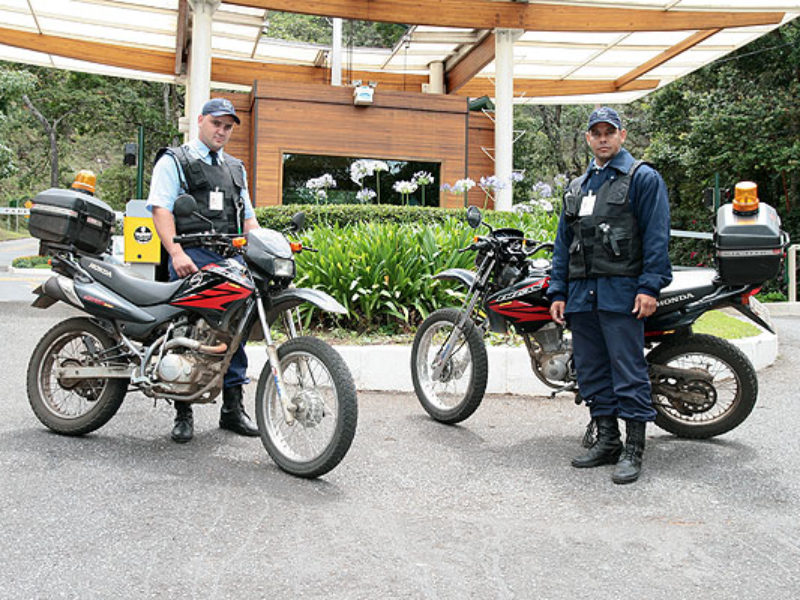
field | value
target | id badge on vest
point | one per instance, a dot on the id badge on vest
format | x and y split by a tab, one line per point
587	205
215	199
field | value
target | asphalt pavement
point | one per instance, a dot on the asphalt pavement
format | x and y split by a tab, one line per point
488	509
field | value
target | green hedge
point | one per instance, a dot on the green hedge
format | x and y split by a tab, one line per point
536	225
31	262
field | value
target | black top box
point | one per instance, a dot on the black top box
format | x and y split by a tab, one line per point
72	218
748	248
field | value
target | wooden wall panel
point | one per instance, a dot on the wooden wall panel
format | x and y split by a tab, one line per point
240	144
307	119
481	153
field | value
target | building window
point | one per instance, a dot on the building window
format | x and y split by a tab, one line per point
304	175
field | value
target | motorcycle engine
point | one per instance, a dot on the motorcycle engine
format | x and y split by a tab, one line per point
552	356
177	368
183	370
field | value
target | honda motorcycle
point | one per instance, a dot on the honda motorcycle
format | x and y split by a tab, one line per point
702	385
174	341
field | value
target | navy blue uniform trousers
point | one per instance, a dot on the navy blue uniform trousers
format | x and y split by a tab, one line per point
237	371
612	374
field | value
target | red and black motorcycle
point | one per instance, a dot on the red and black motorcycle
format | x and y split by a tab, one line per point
174	341
702	385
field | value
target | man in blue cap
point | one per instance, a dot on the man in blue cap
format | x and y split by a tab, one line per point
218	183
609	264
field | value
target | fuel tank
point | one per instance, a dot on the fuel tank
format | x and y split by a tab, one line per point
524	305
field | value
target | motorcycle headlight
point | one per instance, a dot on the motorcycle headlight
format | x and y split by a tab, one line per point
283	267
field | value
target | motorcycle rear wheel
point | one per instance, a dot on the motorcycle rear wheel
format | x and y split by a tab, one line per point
65	407
317	380
735	385
461	387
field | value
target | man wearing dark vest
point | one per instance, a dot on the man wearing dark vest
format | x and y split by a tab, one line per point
219	184
609	264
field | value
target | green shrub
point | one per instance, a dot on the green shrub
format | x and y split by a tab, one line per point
382	270
31	262
538	225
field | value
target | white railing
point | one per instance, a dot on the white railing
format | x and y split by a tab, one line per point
791	259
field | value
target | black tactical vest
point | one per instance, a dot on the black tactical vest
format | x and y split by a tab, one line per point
202	179
608	241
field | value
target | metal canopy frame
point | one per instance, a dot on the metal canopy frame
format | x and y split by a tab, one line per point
569	52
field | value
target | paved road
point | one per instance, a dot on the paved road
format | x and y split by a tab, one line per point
11	249
489	509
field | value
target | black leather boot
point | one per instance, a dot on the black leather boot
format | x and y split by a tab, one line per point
232	416
630	465
183	430
606	449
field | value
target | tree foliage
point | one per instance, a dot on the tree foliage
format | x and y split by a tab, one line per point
318	30
54	123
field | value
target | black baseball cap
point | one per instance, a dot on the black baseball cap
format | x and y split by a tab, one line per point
217	107
604	114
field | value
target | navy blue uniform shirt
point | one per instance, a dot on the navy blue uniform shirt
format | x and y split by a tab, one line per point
648	197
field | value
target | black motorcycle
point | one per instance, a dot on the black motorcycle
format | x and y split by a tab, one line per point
174	341
702	385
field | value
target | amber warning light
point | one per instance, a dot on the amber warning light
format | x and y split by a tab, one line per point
239	242
296	246
85	181
745	198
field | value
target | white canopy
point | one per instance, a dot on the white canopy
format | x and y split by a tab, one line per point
624	65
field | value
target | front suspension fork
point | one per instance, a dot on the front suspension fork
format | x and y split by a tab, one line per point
289	408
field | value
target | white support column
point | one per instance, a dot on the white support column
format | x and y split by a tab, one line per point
436	77
504	114
198	87
336	53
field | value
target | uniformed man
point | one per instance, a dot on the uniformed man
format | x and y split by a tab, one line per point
219	184
609	264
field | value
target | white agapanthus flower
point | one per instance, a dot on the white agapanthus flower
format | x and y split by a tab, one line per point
405	187
365	195
324	181
422	178
463	185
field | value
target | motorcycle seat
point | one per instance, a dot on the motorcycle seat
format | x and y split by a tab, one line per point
141	292
698	279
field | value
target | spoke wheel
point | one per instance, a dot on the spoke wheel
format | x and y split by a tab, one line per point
72	407
728	399
320	386
455	394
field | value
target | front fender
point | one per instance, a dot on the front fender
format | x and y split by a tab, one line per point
464	276
291	297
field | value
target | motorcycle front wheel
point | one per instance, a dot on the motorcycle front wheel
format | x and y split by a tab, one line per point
455	394
71	407
729	399
319	384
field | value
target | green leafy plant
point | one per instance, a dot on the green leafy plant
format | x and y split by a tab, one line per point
382	270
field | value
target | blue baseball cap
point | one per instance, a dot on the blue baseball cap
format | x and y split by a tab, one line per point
604	115
216	107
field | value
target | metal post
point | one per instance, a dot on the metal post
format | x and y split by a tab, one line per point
336	52
792	260
504	114
140	165
199	85
717	199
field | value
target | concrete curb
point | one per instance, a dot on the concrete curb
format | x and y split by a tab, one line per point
43	273
387	368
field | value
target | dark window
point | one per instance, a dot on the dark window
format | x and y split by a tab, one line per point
299	169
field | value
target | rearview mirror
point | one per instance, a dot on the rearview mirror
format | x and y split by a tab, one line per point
474	217
185	205
298	221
